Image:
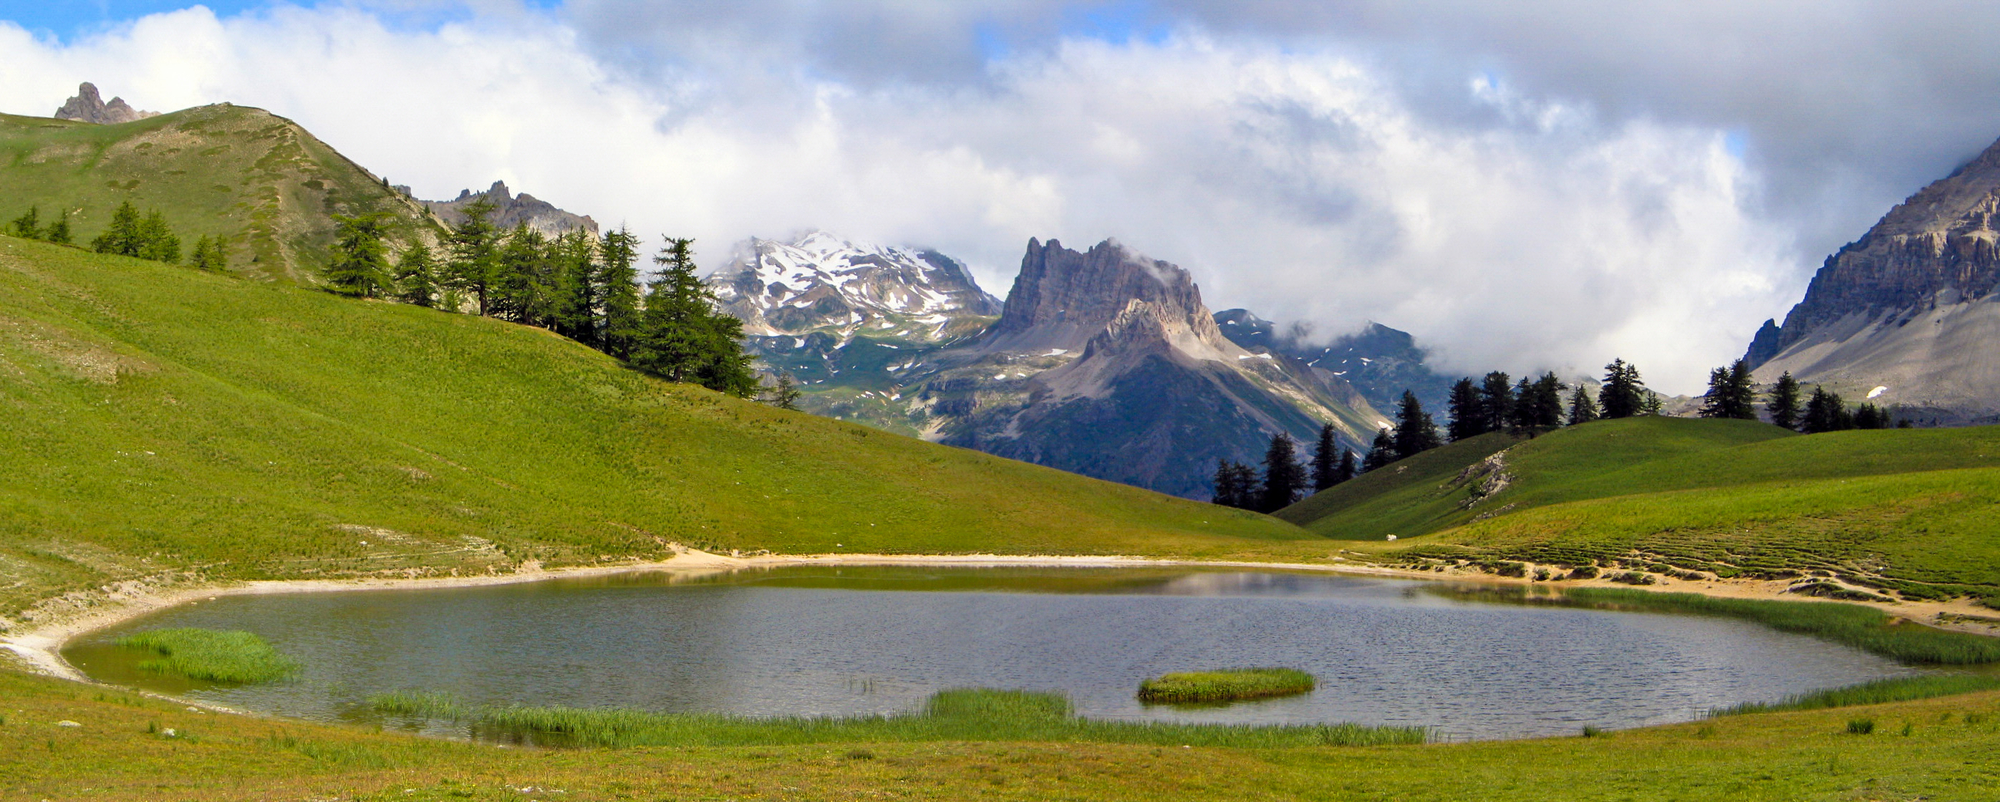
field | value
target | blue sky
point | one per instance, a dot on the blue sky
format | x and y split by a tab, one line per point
1322	161
66	19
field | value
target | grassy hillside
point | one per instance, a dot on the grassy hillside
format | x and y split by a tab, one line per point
154	418
125	747
1909	510
260	181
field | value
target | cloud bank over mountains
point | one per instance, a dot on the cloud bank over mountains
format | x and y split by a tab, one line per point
1526	185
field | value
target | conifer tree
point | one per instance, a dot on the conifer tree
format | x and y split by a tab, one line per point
1324	459
523	286
1784	402
1825	412
122	236
58	231
1869	416
1730	393
1347	468
1468	418
156	241
577	288
360	260
1415	433
1624	394
474	256
1381	452
1284	478
785	391
1582	408
417	276
27	226
684	338
209	254
1538	404
619	323
1496	400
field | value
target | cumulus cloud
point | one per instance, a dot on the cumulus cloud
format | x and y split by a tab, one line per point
1511	214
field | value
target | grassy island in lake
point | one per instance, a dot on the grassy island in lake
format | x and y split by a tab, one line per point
1228	685
220	656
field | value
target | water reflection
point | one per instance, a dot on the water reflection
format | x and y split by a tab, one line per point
842	641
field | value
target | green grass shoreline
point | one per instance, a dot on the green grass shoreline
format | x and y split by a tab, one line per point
965	714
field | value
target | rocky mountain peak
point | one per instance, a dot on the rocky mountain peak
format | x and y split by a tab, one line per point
88	106
818	281
1063	298
510	210
1904	315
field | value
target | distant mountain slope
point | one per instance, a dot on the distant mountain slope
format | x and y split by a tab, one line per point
1909	510
1908	314
258	180
1378	361
159	419
511	210
1106	363
1102	362
820	283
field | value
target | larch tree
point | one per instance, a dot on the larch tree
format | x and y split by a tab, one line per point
1783	404
1496	401
1468	416
1284	478
1324	460
360	260
417	276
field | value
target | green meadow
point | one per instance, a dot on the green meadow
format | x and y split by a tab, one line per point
1904	511
162	424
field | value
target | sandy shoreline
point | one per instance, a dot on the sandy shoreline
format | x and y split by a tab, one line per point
41	646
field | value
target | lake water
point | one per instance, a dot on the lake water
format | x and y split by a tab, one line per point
826	641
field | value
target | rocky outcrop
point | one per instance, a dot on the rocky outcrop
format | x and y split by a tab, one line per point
1157	395
1062	298
1102	362
1905	314
88	106
510	211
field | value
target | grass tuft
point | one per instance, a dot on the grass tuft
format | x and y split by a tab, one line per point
1900	689
966	714
1225	686
215	655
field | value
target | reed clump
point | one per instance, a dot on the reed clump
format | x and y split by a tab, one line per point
1228	685
1864	628
966	714
1899	689
214	655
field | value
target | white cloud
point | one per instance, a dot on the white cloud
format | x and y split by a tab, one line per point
1296	181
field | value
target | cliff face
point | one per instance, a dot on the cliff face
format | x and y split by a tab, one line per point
88	106
510	210
1102	362
1898	315
1062	299
1157	395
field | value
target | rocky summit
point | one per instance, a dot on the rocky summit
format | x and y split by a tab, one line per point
1906	316
1103	362
820	283
510	211
89	107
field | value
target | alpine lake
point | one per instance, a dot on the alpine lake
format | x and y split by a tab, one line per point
848	641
